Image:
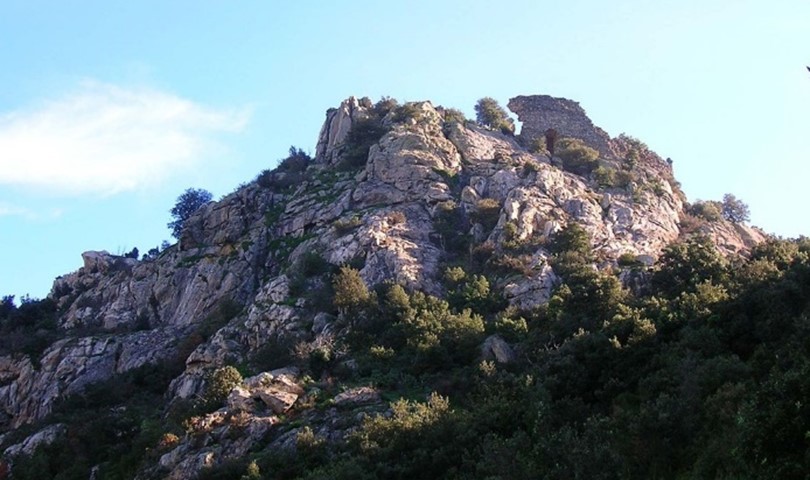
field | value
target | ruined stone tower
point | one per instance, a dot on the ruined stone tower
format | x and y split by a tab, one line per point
542	112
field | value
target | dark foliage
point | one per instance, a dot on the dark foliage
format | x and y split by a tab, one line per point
187	203
361	137
706	375
490	114
734	210
289	173
27	329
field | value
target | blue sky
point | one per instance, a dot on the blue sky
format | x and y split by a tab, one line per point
109	110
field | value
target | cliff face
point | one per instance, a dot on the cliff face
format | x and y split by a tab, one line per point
384	216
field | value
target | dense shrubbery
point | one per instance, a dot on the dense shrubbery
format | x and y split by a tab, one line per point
114	426
705	376
731	209
219	384
710	211
290	171
452	115
27	329
576	156
450	225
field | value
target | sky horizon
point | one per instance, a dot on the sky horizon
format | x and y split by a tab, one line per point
109	111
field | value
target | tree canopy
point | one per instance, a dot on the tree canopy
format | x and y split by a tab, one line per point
490	114
187	203
735	210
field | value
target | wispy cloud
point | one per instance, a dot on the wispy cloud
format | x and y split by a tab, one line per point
106	139
7	210
10	210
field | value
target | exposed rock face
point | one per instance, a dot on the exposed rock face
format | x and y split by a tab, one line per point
213	439
254	251
337	125
541	112
357	396
28	392
46	436
733	238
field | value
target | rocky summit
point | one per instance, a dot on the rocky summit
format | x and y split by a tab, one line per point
237	340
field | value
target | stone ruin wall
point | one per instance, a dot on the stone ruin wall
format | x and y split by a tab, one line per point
541	112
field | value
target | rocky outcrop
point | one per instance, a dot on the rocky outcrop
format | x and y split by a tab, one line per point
733	238
46	436
229	433
411	163
28	392
214	439
495	348
336	127
265	252
357	396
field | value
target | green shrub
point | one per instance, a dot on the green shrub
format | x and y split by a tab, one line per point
453	276
529	167
513	329
296	161
187	204
624	178
506	265
345	225
452	115
538	146
576	156
684	265
449	224
628	260
510	236
487	213
605	176
384	106
219	384
710	211
312	264
475	293
351	291
407	112
28	329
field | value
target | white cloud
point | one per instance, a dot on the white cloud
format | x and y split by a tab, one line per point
106	139
11	210
8	210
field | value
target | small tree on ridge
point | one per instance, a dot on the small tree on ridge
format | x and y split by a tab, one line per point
490	114
187	203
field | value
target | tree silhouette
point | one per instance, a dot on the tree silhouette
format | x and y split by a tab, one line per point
187	203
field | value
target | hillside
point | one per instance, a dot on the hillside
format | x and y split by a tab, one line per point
426	298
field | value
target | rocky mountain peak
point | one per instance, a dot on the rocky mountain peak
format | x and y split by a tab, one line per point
399	192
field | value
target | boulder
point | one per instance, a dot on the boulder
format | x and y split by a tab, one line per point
496	348
357	396
46	436
97	261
